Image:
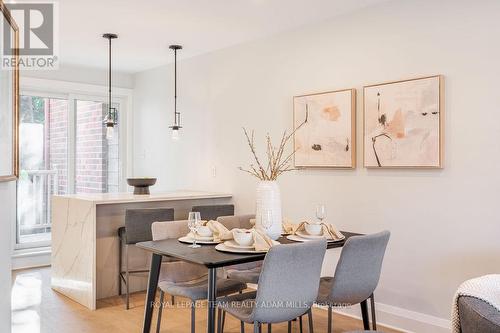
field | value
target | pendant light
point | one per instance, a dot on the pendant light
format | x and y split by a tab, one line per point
110	121
177	115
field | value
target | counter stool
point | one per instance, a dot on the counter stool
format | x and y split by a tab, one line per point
212	212
137	229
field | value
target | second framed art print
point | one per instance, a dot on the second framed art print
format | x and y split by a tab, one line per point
403	124
328	138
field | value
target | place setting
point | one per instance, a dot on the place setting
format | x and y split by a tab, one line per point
254	240
310	231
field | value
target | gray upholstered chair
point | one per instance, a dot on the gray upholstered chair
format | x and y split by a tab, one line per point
477	316
186	279
277	300
137	229
356	276
212	212
249	272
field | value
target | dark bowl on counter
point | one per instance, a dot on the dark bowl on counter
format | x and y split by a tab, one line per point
141	185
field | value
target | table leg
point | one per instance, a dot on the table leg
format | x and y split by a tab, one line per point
154	274
212	296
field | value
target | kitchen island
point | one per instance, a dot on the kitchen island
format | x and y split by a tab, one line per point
85	242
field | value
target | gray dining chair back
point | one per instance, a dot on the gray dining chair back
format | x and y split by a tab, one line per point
138	222
289	281
212	212
358	269
237	221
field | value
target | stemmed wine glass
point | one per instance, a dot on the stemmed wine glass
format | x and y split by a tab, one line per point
321	212
194	224
266	219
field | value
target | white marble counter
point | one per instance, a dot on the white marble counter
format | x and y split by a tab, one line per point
113	198
85	242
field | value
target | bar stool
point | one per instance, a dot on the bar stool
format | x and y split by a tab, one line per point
212	212
137	229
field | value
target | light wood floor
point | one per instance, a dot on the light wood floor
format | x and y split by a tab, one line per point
39	309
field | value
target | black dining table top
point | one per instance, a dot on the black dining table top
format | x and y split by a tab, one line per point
208	256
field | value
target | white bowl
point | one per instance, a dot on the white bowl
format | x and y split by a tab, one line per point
243	238
314	229
205	231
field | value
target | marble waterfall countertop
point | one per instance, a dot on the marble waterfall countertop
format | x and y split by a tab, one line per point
116	198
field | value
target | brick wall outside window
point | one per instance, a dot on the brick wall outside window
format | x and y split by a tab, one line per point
57	141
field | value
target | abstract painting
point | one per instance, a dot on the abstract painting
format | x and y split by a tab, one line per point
327	139
403	123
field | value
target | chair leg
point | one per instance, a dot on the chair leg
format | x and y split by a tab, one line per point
310	317
119	266
290	326
127	289
268	328
242	327
223	320
219	321
158	323
372	306
193	313
257	327
172	300
300	324
364	313
330	318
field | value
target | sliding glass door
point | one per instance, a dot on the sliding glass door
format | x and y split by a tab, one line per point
63	150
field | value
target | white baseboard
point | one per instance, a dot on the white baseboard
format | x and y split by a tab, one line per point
22	259
401	319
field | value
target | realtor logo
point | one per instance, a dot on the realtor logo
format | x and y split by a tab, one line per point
37	22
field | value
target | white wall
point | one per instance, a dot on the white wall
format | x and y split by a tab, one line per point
444	223
7	217
80	74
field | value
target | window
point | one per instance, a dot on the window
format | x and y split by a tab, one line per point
63	150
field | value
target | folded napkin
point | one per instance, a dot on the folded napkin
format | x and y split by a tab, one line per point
329	230
261	241
221	233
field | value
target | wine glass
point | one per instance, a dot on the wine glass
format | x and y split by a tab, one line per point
320	212
194	223
266	219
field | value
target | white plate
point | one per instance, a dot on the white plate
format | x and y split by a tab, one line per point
308	236
233	244
223	248
189	240
296	238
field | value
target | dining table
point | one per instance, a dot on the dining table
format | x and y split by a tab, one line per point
207	256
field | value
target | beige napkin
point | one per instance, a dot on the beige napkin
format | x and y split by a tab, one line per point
221	233
261	241
329	230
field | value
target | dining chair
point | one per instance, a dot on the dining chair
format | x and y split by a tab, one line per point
212	212
280	299
356	276
248	272
185	279
137	229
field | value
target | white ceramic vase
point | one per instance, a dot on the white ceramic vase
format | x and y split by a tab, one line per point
268	205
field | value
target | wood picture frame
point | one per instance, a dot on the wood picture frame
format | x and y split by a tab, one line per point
328	138
409	116
9	110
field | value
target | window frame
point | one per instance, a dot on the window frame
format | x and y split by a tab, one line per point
72	92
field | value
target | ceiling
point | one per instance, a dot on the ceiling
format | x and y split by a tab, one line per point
147	27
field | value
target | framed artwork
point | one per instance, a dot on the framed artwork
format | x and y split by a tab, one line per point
9	100
403	124
328	138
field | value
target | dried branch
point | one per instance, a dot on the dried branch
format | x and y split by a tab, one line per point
276	165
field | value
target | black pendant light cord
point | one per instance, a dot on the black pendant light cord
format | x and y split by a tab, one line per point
109	80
